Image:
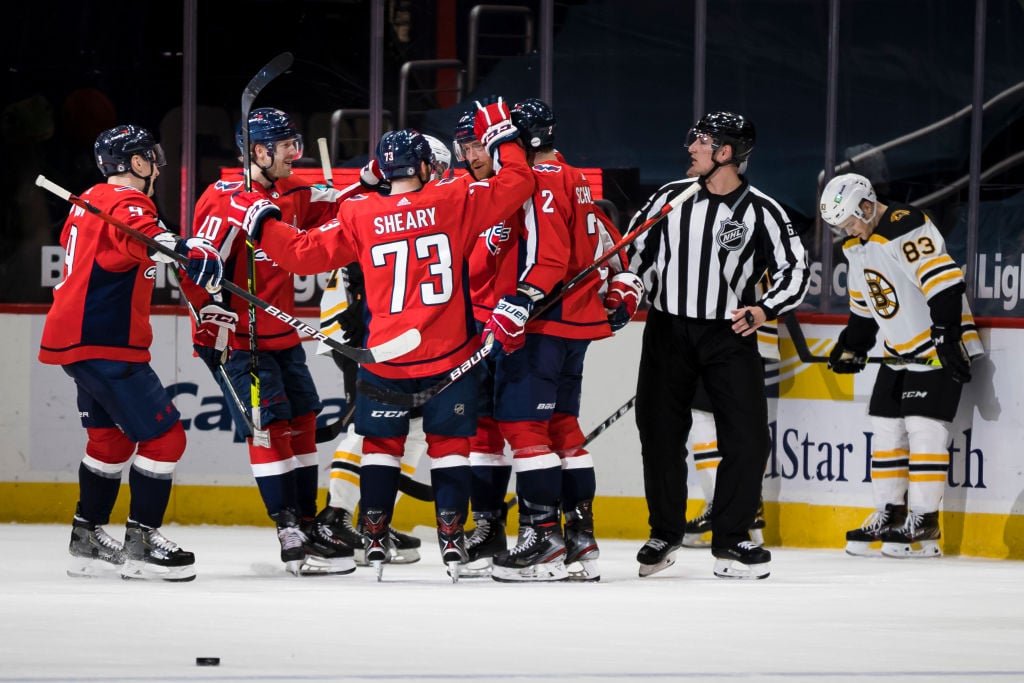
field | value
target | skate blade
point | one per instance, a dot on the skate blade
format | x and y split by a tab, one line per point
697	540
583	570
454	570
293	567
731	569
137	569
314	565
92	568
407	556
378	566
548	571
477	569
864	548
918	549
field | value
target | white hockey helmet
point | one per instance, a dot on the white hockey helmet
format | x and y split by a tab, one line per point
842	196
442	157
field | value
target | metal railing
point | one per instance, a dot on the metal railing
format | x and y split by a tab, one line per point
474	34
423	65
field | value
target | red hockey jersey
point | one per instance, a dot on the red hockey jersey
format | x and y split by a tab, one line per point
561	236
302	206
413	249
101	306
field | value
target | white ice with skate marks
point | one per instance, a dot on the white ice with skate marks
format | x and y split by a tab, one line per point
821	616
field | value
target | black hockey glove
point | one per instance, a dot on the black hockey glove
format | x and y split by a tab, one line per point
844	360
952	353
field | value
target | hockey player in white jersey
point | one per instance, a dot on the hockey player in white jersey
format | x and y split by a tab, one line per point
903	283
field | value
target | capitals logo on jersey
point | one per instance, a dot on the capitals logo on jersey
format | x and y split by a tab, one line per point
547	168
732	235
882	294
495	236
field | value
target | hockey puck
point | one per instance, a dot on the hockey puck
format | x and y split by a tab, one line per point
207	661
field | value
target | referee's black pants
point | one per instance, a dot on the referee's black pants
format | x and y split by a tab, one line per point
676	352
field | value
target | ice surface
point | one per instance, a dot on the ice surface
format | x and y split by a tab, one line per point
821	616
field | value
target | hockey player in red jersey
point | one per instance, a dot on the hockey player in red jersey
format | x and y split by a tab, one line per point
412	246
98	331
286	470
538	380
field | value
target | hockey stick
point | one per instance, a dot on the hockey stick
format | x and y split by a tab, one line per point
803	352
260	437
329	432
277	66
417	399
325	161
597	431
400	345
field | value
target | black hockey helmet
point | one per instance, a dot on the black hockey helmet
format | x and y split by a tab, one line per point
464	133
400	152
267	126
726	128
115	148
536	123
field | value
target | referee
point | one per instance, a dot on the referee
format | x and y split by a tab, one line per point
700	266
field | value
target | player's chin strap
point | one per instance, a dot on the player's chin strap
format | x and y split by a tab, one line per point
146	179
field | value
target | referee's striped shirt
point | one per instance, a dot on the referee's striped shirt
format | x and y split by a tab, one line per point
706	257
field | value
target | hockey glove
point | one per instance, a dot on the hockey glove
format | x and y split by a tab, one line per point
204	265
952	353
372	178
213	334
493	125
622	299
508	321
845	361
353	328
248	211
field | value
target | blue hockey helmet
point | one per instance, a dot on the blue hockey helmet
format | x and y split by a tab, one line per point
726	128
536	123
400	152
464	133
115	148
267	126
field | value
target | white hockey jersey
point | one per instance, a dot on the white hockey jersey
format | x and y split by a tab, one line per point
895	273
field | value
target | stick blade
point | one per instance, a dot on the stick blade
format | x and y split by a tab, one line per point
271	70
399	346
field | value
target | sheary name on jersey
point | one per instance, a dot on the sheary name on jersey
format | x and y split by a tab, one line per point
404	220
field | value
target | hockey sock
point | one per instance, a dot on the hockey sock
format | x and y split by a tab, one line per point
150	493
97	493
378	484
451	484
489	487
538	492
306	480
578	483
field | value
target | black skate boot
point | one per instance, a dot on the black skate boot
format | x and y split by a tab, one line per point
452	540
405	548
292	539
94	552
917	537
581	551
377	544
539	555
745	560
656	554
698	530
151	555
486	540
327	553
859	541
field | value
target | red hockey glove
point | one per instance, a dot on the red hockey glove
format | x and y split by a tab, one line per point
622	299
214	330
493	125
508	321
249	210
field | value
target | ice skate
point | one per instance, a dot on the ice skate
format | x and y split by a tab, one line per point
451	538
581	551
698	530
486	540
151	555
327	553
94	552
292	540
917	537
745	560
377	543
405	548
539	555
656	554
866	540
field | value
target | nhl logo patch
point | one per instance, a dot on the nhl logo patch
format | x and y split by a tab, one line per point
732	235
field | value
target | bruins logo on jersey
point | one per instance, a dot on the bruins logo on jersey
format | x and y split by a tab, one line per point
881	293
732	235
898	215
